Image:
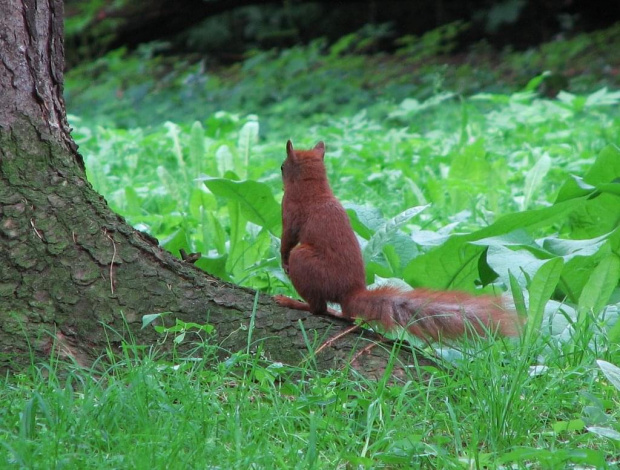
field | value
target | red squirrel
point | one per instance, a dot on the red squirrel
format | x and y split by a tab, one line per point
324	261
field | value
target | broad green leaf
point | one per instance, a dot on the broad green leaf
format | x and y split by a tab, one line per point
534	178
602	282
426	238
169	182
416	194
541	288
603	97
455	263
151	317
178	339
469	164
436	191
581	258
386	231
611	371
611	188
470	174
133	202
176	241
409	107
201	200
605	432
365	220
248	137
533	84
574	102
522	262
515	238
399	252
197	152
578	271
529	220
517	295
388	248
215	266
614	332
568	249
213	234
393	258
237	230
601	214
173	133
256	202
248	253
604	170
556	458
224	159
573	187
568	426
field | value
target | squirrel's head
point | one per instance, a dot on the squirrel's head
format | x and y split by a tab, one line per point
303	164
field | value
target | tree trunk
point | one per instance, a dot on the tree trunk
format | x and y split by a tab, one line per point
74	277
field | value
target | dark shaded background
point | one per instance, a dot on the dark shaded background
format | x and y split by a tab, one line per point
226	29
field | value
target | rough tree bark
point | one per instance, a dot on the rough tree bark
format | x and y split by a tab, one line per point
74	277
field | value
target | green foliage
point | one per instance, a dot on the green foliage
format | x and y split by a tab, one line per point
436	42
316	81
502	189
590	51
467	194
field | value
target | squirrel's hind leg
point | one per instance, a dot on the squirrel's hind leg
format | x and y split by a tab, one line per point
287	302
307	273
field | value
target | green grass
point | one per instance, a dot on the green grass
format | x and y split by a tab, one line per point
487	408
455	176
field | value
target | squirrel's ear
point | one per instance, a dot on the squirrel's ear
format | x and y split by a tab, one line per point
320	147
289	149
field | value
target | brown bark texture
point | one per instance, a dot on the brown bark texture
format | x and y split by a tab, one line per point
75	279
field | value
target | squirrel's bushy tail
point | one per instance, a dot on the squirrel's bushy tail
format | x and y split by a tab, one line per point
432	314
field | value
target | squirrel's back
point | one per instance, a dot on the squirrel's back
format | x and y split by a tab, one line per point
326	261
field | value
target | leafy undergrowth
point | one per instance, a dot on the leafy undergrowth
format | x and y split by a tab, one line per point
462	184
444	193
319	80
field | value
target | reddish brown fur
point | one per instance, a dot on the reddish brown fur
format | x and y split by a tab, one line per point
323	259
